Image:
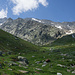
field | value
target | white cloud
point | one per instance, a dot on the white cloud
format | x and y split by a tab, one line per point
25	5
3	13
43	2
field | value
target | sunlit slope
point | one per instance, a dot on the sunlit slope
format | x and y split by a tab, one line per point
66	40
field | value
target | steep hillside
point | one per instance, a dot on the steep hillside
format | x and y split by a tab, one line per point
13	43
65	40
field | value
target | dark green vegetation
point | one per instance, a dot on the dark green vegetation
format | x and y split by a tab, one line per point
10	42
60	56
65	40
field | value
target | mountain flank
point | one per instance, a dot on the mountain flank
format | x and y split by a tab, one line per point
39	32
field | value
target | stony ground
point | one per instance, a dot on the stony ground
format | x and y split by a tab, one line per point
47	61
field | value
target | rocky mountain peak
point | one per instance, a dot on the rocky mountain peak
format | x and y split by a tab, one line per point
9	20
2	20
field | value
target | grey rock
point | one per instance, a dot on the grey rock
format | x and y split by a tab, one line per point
44	65
26	67
22	71
14	64
38	62
39	69
59	73
11	63
68	70
73	72
70	59
33	56
23	60
44	62
61	65
10	69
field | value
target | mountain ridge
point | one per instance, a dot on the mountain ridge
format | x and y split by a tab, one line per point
36	31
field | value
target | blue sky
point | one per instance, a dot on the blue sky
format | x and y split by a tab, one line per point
55	10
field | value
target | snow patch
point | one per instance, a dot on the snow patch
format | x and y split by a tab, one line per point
52	23
58	27
1	24
69	32
68	25
36	20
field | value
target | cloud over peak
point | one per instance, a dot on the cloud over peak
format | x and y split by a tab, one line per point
3	13
26	5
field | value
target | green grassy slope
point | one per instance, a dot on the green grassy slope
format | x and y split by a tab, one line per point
10	42
66	40
65	44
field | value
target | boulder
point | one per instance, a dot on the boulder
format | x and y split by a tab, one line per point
61	65
44	65
10	69
14	64
26	61
68	70
48	60
59	73
44	62
33	56
38	62
23	60
23	71
20	58
39	69
73	72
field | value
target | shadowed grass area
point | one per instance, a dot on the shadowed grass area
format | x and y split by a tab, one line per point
13	43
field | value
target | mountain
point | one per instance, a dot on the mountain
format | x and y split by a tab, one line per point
10	42
2	20
68	27
32	30
36	31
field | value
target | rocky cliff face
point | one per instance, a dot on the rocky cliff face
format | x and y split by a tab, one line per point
68	27
2	20
40	32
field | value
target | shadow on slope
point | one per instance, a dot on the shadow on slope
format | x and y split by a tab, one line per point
13	43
